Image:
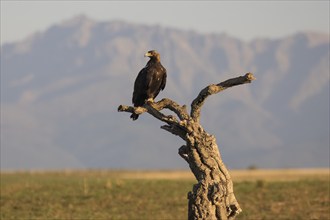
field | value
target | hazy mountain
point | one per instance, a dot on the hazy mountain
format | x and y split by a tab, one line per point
60	90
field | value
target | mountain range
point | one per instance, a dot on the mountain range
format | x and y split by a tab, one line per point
60	89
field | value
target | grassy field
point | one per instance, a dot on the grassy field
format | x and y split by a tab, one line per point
101	195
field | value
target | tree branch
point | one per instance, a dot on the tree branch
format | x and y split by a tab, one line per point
151	108
174	126
198	102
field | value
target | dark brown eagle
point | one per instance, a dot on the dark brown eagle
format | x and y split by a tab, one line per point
150	80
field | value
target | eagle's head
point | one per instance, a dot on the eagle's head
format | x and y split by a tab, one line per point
153	54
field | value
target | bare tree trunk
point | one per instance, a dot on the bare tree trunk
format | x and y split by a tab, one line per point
213	195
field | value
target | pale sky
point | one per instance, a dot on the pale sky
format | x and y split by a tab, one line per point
242	19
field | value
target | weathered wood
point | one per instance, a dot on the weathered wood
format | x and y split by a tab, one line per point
196	105
213	195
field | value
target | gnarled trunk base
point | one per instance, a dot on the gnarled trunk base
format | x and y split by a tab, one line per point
213	196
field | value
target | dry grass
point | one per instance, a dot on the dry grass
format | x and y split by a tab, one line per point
280	175
263	194
237	175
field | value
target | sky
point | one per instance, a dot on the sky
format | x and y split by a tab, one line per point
245	20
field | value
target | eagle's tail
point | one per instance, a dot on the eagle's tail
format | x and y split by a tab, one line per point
134	116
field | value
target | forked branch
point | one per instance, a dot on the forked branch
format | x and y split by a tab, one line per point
196	105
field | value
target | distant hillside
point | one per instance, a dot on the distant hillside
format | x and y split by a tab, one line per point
60	90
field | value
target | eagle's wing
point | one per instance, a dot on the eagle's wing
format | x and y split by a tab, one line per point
140	85
162	86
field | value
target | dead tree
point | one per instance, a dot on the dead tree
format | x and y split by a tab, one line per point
213	195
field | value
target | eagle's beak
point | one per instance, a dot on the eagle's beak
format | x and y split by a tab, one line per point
147	54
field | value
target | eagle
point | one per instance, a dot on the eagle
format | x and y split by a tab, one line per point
150	80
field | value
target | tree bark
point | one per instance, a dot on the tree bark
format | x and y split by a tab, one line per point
213	195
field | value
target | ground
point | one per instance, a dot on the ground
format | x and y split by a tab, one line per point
262	194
